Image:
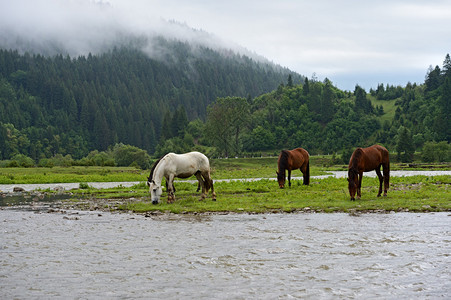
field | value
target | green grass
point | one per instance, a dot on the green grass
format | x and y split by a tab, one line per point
418	193
389	108
70	174
221	169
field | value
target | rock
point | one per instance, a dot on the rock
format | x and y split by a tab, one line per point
18	189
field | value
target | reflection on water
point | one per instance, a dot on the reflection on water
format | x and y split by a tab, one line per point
91	255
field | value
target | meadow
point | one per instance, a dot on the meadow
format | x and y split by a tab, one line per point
414	194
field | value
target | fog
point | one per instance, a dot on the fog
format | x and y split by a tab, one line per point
350	42
81	27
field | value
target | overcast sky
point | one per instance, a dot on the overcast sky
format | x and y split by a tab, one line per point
350	42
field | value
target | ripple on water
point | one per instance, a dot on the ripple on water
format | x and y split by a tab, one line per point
401	255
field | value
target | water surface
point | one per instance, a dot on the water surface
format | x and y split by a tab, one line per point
8	188
89	255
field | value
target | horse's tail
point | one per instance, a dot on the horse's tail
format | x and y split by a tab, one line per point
307	174
208	182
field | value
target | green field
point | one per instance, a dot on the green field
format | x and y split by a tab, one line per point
414	194
389	108
417	193
221	169
70	174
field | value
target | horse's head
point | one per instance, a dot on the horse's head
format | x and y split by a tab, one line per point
352	183
281	179
155	191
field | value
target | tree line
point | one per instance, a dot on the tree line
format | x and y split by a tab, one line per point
63	105
221	105
323	119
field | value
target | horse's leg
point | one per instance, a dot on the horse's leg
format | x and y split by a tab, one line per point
170	186
173	186
202	183
289	177
381	178
213	194
359	185
306	173
386	170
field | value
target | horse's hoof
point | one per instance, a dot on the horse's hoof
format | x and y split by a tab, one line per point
214	199
378	195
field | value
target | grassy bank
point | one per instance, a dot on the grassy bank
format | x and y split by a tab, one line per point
414	194
264	167
417	193
70	174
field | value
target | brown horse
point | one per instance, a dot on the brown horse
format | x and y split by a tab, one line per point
292	160
365	160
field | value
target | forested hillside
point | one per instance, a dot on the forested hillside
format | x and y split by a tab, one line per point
73	105
323	119
223	104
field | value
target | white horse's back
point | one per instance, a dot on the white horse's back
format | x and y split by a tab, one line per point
188	164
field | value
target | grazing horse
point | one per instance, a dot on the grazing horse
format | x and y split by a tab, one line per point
292	160
365	160
182	166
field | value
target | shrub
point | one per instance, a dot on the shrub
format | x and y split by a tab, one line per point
20	160
436	152
126	155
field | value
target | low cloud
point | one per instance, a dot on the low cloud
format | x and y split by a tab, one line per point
81	27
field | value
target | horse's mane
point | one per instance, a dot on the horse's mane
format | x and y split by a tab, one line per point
153	168
283	159
354	162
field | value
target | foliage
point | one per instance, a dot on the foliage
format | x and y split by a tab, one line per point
126	155
225	121
405	146
436	152
20	160
64	105
73	111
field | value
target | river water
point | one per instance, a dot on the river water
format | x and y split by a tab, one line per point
8	188
87	255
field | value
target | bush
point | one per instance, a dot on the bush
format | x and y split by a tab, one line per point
96	158
20	160
46	163
126	155
436	152
83	186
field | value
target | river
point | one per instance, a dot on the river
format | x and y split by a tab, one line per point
92	255
8	188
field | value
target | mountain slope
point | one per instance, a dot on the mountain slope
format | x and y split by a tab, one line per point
59	104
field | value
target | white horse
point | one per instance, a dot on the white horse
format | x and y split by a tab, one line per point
182	166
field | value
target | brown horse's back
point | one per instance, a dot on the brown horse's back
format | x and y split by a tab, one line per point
299	157
370	158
